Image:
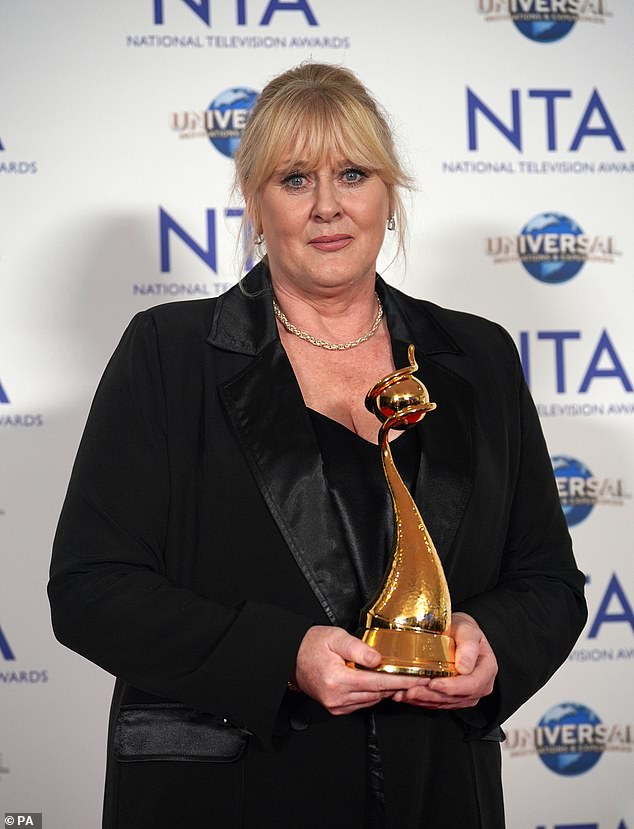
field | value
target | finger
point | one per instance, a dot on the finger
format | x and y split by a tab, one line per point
453	705
367	697
342	710
468	646
470	641
357	700
382	681
478	683
463	685
430	695
351	649
432	699
461	691
453	692
467	656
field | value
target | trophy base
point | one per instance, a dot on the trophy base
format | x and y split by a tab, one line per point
413	652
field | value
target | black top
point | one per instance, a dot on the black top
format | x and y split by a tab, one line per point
354	474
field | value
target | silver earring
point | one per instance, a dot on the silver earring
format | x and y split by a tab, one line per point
391	223
258	239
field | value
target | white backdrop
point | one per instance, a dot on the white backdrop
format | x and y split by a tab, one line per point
99	113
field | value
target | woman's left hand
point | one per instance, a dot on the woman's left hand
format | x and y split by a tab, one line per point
476	665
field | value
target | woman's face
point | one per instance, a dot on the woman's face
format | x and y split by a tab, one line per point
323	227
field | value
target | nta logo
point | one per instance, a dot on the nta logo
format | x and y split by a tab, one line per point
202	10
171	230
595	121
614	608
10	676
208	254
605	362
552	248
5	648
617	612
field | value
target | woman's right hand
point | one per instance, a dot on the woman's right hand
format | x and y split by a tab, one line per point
322	673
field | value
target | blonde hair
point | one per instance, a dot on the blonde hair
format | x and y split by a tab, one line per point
321	111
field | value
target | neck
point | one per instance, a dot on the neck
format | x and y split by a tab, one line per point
335	315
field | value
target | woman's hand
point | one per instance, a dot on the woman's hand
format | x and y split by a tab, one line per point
322	673
476	665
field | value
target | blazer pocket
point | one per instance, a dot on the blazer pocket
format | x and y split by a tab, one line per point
169	731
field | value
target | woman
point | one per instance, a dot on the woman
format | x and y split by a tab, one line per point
227	517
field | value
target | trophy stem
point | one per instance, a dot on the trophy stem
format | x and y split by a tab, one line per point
408	618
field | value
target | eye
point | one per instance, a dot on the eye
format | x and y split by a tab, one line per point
295	180
352	175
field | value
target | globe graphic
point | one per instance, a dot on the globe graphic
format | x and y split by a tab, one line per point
566	467
227	139
551	271
571	759
543	31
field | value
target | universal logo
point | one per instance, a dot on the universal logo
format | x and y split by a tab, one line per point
544	21
552	248
223	122
570	739
580	491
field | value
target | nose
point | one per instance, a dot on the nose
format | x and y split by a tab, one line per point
327	206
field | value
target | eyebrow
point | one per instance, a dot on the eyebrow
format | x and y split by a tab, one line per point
288	163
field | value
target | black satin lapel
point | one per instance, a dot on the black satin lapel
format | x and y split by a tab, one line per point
447	453
267	409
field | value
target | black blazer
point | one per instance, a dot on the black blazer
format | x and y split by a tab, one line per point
197	544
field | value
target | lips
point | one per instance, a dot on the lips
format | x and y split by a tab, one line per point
331	243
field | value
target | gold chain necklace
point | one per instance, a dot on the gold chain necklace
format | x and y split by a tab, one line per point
281	316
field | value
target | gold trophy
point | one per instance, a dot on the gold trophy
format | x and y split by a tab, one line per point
408	618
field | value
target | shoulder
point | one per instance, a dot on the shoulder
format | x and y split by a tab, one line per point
469	335
165	339
174	328
462	324
189	318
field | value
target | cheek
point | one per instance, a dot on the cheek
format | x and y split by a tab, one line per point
376	226
281	236
287	229
373	216
278	217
